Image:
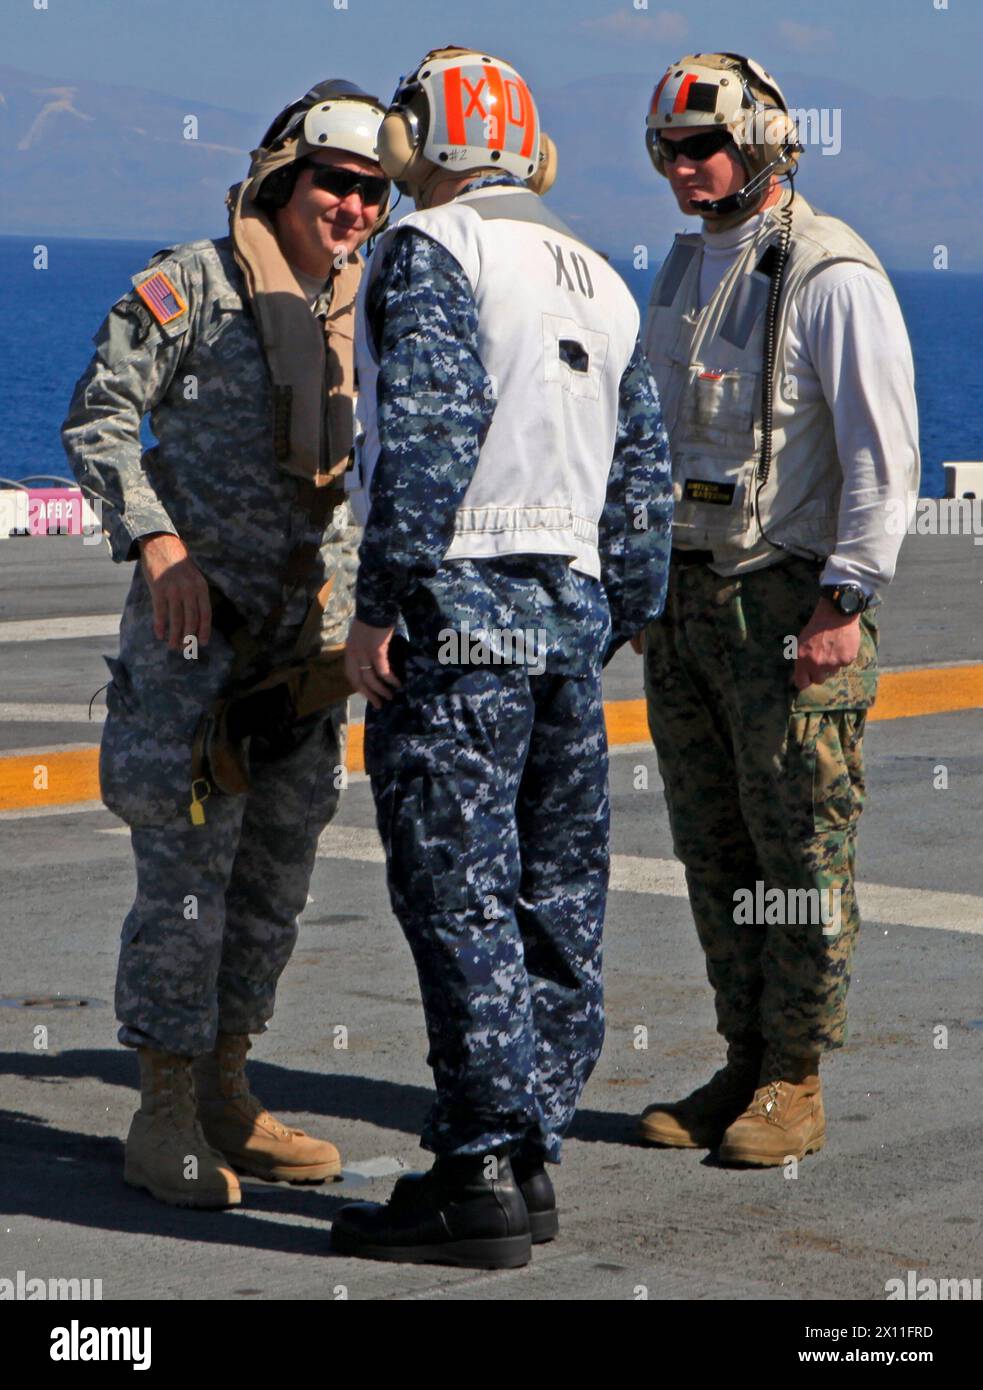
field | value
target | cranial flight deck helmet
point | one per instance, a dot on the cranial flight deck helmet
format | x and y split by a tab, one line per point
459	111
737	95
334	115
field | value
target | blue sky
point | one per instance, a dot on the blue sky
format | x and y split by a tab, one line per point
253	55
898	73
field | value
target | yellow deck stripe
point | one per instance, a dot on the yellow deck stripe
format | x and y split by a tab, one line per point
33	780
49	779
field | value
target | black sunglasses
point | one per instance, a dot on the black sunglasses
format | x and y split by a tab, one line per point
342	182
700	146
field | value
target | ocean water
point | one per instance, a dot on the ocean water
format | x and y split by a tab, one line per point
48	318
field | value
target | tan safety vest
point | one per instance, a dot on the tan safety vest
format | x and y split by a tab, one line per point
708	367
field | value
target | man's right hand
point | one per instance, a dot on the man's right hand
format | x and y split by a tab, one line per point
178	589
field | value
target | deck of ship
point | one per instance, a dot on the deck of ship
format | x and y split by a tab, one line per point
896	1188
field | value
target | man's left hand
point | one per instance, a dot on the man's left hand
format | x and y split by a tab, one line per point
367	662
829	641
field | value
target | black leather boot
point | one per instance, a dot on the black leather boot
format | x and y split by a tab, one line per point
454	1215
540	1199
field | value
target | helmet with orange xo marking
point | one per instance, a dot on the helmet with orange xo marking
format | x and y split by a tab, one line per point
458	112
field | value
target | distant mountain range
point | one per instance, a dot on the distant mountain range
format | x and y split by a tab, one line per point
97	160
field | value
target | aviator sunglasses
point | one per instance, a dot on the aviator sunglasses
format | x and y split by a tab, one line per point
698	147
342	182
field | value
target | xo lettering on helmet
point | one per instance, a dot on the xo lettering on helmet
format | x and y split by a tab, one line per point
485	105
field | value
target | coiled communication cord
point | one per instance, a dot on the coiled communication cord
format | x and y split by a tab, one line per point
768	374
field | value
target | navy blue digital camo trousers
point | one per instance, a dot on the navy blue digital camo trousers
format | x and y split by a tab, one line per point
491	794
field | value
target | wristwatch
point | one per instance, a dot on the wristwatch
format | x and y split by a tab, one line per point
850	599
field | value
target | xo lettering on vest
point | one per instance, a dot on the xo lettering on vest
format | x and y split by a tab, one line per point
580	269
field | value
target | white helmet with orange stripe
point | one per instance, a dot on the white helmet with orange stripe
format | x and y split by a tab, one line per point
735	94
460	111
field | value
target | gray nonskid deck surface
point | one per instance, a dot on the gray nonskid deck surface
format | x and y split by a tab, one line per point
896	1188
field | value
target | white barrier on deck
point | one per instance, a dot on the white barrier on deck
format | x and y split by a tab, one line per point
13	512
963	479
46	512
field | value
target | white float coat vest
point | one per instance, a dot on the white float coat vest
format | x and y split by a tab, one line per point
708	367
556	330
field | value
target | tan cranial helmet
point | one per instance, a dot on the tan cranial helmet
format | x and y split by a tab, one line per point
460	111
734	93
311	432
335	114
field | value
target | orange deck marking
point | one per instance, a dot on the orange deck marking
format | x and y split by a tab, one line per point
72	775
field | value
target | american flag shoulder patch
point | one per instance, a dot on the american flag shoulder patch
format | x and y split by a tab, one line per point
161	298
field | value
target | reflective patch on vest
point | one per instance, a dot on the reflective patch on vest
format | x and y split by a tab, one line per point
704	490
769	261
746	308
672	273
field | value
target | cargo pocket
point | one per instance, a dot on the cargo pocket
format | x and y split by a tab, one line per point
119	691
724	402
331	775
427	834
144	774
853	687
823	784
838	787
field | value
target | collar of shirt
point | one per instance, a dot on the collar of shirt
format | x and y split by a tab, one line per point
493	180
727	243
313	287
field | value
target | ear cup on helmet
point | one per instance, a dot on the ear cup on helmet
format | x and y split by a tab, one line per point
277	188
652	146
772	135
397	148
545	176
782	135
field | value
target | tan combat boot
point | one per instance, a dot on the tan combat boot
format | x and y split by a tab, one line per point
784	1120
165	1137
699	1120
252	1140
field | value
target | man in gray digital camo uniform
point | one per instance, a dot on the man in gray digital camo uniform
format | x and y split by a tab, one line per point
224	744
